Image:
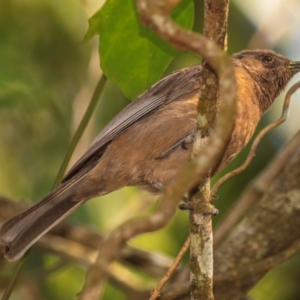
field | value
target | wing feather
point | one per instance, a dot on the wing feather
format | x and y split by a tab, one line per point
169	89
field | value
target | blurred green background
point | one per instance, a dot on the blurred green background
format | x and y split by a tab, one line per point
47	77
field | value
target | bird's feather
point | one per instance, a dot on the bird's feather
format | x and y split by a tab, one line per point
171	88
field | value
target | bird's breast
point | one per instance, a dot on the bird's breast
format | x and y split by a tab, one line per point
248	114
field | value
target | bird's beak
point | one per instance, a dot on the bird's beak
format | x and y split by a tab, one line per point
295	66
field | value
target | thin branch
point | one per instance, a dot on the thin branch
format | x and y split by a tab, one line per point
156	292
80	130
81	102
156	16
77	136
239	273
83	252
256	189
262	182
79	253
270	226
255	144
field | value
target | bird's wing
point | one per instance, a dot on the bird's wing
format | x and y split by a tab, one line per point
170	88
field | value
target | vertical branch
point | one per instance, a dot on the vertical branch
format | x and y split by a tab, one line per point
201	255
216	21
201	248
215	28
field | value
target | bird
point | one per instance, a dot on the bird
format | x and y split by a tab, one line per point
150	140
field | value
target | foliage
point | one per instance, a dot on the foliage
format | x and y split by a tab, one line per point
132	56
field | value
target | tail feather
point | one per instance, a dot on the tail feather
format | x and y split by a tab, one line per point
22	231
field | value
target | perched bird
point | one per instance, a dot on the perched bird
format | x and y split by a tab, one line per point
150	140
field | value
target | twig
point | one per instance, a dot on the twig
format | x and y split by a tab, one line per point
74	251
80	130
159	287
240	273
257	140
84	254
261	183
62	169
156	16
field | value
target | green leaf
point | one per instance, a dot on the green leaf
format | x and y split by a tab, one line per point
133	56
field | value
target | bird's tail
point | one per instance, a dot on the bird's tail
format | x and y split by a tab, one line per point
20	232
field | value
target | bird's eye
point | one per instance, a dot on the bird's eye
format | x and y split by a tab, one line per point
267	58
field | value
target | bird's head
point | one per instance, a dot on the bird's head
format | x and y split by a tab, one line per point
270	71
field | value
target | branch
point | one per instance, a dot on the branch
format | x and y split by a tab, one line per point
238	274
80	130
201	248
261	184
236	260
74	141
277	212
256	142
157	290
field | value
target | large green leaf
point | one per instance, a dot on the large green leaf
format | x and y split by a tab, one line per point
131	55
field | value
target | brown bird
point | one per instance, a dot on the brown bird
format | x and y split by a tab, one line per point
150	140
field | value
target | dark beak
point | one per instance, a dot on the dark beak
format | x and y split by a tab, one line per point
295	66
